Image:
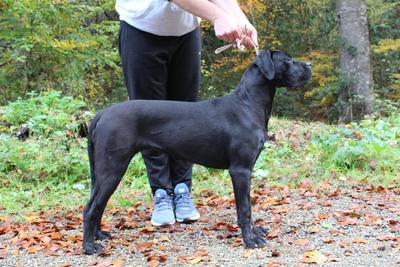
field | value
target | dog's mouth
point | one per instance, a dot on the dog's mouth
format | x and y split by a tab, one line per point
303	80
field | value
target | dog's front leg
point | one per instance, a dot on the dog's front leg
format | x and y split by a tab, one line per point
241	179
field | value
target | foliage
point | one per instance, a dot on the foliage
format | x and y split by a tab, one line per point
53	160
372	145
45	114
72	47
58	44
53	152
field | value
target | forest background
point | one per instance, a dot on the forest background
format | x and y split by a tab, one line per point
71	46
59	64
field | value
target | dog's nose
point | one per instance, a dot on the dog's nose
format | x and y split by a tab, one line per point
308	64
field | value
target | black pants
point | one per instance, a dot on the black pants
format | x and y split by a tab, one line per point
163	68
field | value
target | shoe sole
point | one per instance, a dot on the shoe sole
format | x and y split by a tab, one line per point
190	219
161	224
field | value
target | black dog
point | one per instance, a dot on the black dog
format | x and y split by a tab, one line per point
224	133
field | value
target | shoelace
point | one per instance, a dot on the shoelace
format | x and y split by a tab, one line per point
183	200
163	203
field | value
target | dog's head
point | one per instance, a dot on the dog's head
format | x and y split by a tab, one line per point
282	70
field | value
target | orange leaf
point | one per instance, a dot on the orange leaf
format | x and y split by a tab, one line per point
359	241
144	245
117	263
200	253
31	218
154	263
161	247
32	250
182	259
55	236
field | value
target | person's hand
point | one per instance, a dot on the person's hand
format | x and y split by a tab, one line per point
227	29
249	35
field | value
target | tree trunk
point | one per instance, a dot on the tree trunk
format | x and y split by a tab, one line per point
356	98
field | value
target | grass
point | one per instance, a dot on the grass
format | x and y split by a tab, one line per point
50	169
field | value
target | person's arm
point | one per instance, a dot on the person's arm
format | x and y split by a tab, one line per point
233	9
226	28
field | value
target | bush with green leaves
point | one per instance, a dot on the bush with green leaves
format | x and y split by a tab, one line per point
69	46
373	146
54	151
46	114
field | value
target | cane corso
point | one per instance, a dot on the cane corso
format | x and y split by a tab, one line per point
224	133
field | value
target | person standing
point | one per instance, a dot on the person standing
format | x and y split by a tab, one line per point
160	50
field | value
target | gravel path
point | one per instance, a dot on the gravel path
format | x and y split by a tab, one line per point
333	227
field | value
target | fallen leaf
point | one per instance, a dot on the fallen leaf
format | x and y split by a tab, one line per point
182	259
32	218
117	263
164	239
154	263
275	253
195	260
200	253
328	241
359	241
274	233
3	253
314	257
386	238
302	241
161	247
32	250
247	253
313	229
144	245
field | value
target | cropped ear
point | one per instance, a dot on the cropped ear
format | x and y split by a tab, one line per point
265	64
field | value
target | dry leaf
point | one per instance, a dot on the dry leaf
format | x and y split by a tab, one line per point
144	245
117	263
195	260
32	218
154	263
247	253
314	257
3	253
302	241
164	239
359	241
182	259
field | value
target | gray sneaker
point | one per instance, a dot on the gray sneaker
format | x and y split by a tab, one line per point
163	212
185	211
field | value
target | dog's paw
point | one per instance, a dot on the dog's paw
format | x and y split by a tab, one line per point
102	235
256	242
92	248
259	231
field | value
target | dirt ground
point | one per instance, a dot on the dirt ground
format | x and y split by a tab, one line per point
321	225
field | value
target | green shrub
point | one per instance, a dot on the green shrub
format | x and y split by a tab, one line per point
46	113
54	151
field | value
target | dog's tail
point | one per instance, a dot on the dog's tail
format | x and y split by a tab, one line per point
91	151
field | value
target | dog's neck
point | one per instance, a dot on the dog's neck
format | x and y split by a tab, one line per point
256	92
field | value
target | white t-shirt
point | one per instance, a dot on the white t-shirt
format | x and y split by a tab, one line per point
159	17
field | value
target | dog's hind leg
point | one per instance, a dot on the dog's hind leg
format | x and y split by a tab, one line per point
110	168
